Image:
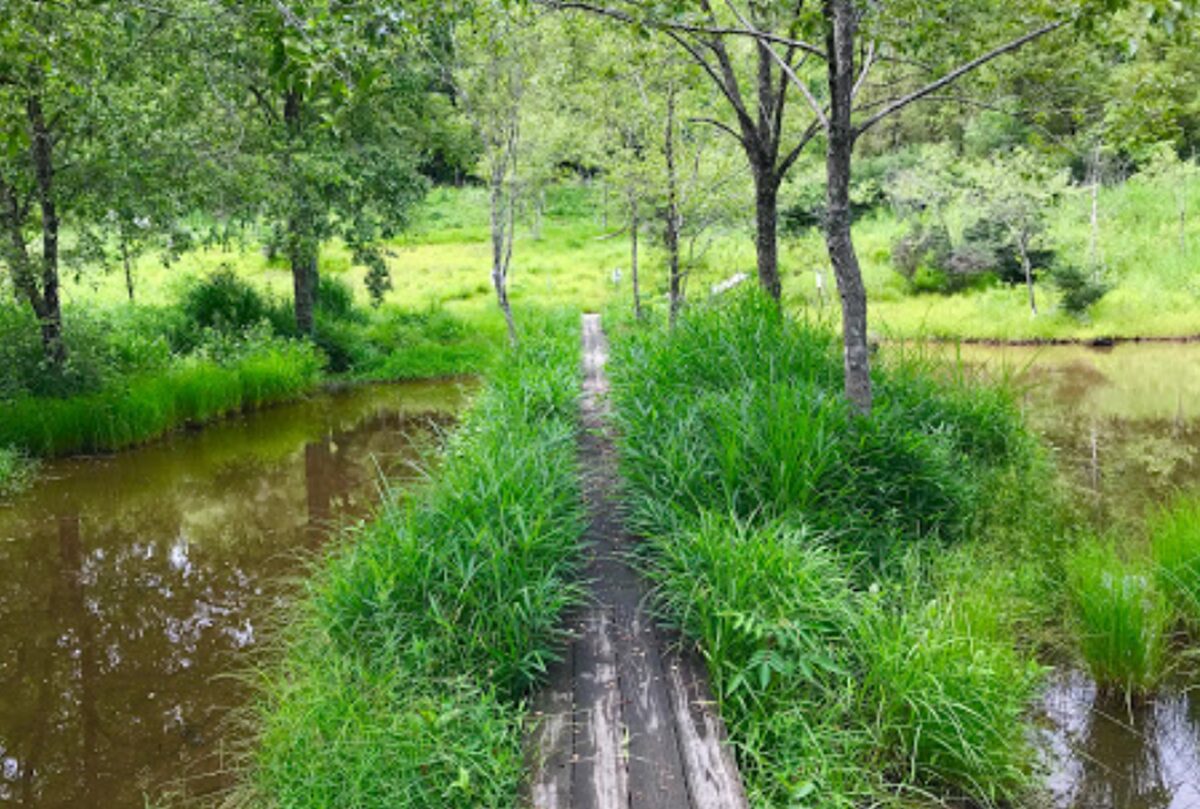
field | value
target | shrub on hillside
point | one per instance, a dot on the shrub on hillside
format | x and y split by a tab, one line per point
1078	289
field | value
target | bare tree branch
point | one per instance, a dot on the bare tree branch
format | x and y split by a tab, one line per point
765	41
721	126
902	102
679	26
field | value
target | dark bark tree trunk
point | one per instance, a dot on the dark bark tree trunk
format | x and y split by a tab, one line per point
303	257
302	247
766	241
635	224
128	264
672	224
50	314
840	25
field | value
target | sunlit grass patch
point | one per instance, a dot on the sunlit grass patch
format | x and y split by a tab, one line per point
1175	547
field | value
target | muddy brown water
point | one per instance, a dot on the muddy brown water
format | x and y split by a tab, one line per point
133	585
1124	425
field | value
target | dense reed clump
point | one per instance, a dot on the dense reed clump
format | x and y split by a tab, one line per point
190	391
792	542
404	663
1175	546
1121	618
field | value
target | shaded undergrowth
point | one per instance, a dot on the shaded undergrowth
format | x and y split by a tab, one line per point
856	586
404	663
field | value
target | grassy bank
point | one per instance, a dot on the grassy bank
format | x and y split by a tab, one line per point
190	391
857	587
224	346
403	664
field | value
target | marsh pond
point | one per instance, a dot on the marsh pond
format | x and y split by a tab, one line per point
136	586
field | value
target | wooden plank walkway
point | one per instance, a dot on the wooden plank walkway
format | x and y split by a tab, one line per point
625	721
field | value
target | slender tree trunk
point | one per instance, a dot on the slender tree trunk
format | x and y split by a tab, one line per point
502	209
671	236
41	148
125	260
539	205
1027	266
838	240
635	224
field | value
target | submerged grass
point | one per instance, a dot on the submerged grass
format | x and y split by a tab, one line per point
130	411
1121	616
802	550
405	662
16	470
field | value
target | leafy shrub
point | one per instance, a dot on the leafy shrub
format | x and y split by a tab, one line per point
335	300
223	301
1078	289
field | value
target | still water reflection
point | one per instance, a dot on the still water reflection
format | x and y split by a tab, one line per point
1125	426
130	584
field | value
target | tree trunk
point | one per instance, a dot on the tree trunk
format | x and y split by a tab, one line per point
302	254
128	269
1027	266
50	314
634	224
502	220
671	233
838	239
766	244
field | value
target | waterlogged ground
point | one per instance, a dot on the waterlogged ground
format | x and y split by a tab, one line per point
1125	425
134	585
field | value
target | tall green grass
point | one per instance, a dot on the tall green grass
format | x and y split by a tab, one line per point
1175	545
799	548
405	661
191	391
1121	618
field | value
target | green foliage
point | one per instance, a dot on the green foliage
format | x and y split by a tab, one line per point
1175	546
224	302
1120	616
405	661
787	537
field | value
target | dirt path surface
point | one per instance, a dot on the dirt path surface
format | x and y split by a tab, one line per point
625	721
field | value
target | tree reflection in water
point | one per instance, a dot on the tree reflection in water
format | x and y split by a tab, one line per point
132	582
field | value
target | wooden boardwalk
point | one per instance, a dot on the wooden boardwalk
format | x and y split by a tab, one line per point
625	721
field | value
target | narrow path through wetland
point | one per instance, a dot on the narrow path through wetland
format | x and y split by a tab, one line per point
134	582
625	721
1125	426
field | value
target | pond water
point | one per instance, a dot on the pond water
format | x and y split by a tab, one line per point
134	585
1124	423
